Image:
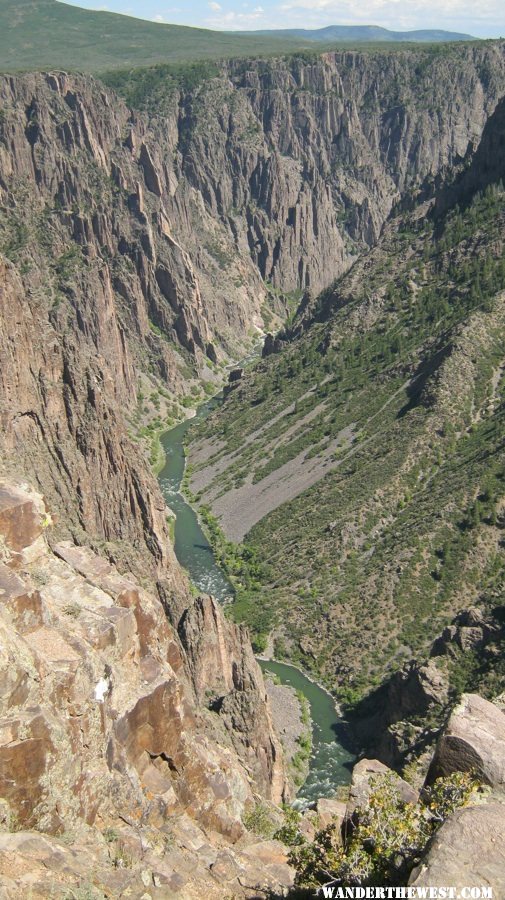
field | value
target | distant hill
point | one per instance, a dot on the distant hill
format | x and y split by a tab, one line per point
45	34
365	34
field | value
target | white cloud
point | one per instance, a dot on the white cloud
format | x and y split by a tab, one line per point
241	21
483	18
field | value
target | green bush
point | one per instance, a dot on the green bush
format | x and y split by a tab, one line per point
388	841
289	832
258	819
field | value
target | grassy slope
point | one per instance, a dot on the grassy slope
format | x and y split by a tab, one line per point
45	34
364	569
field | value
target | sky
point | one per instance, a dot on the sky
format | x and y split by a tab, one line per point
481	18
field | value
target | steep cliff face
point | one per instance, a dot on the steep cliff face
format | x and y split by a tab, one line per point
304	158
93	191
60	398
223	669
105	737
140	242
135	247
70	344
98	299
486	166
362	464
79	299
278	171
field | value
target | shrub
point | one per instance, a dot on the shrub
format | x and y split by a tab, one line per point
258	819
388	841
289	833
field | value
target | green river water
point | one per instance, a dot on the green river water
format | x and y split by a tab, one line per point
331	759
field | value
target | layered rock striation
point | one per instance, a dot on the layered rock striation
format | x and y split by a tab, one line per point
137	245
306	157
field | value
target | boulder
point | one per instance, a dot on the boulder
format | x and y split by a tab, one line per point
330	810
324	812
20	517
363	775
473	741
470	637
468	850
470	618
469	629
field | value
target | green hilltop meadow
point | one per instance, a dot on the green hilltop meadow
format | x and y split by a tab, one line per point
47	34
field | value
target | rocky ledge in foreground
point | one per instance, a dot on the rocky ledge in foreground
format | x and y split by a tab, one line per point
115	776
469	849
132	752
450	833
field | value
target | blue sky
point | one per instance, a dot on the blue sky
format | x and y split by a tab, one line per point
482	18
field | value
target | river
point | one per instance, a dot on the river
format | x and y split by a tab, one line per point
331	760
191	546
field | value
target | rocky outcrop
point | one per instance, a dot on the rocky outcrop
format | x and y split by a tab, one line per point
470	630
101	729
413	692
403	718
473	741
455	826
468	850
139	863
226	675
272	345
364	775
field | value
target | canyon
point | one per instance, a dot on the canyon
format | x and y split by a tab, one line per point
396	372
155	225
144	243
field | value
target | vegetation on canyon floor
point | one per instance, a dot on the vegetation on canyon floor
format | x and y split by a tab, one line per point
399	393
365	456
